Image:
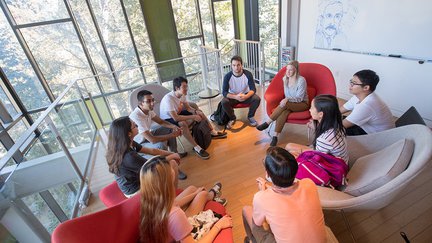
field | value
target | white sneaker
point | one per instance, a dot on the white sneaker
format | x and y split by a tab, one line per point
230	124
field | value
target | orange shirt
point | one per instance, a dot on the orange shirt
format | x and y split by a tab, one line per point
294	215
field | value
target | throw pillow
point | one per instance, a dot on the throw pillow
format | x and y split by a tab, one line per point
374	170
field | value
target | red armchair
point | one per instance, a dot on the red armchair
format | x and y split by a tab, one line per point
112	195
319	80
119	223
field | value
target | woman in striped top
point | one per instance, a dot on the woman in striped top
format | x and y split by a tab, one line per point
330	136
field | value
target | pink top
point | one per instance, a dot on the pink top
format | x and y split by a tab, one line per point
294	215
178	225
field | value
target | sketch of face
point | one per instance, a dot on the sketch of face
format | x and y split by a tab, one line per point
331	18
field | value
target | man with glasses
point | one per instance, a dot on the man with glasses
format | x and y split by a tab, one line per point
160	136
369	114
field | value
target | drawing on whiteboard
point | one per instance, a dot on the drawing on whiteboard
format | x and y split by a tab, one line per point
333	17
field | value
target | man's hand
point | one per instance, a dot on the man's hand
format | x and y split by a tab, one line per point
262	184
241	97
176	132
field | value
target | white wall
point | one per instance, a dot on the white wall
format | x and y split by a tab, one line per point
403	83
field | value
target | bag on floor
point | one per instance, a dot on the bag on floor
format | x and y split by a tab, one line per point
201	132
323	169
220	116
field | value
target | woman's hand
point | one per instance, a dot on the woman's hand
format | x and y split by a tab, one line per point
224	222
283	102
197	118
199	189
311	124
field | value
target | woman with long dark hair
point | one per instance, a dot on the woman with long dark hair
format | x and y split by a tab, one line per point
330	136
123	158
162	218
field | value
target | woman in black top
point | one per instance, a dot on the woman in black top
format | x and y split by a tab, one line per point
123	158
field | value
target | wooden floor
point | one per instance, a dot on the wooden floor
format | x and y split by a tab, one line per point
237	161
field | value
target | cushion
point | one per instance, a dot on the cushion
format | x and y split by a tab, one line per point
374	170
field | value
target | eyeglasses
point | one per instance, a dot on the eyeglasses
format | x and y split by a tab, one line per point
352	83
149	101
149	164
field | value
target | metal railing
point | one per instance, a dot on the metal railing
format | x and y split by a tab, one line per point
252	53
53	174
50	184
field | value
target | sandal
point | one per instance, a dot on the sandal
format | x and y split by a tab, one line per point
216	189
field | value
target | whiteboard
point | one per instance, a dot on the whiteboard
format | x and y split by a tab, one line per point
376	27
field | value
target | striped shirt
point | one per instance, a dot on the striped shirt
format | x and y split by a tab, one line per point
334	144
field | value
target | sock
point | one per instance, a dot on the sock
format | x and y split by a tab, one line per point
197	148
213	132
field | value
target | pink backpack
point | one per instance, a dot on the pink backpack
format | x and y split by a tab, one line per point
323	169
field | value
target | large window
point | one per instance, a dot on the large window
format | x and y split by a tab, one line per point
18	69
269	31
45	44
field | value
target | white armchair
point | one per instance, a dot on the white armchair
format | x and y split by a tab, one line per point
358	146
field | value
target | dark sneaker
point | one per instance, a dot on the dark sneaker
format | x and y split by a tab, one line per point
222	201
252	121
274	141
202	154
182	175
216	189
263	126
219	135
184	154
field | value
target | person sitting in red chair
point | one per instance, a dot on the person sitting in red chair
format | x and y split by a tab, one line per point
239	87
296	99
164	218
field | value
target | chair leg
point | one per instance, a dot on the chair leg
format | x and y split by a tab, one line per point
348	225
181	144
269	129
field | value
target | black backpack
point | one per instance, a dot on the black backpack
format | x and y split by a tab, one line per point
220	116
201	132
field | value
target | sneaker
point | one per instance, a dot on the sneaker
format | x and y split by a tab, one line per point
182	175
182	155
252	121
274	141
219	135
222	201
211	118
263	126
230	124
216	189
202	154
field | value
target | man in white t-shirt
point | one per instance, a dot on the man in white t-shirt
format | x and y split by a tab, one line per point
369	114
158	136
175	109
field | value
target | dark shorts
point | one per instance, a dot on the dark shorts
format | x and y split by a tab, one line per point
183	113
